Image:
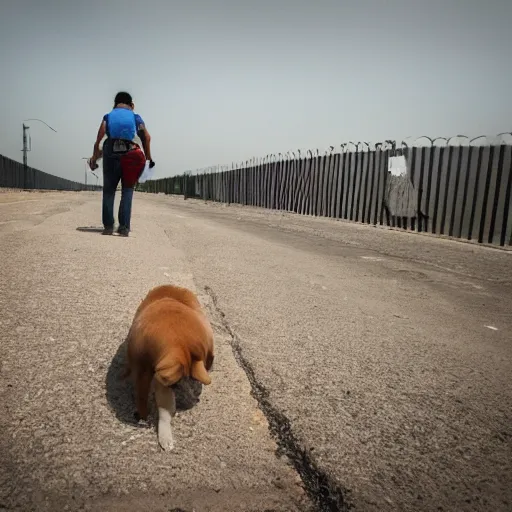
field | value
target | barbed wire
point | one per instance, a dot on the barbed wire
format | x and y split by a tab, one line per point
357	147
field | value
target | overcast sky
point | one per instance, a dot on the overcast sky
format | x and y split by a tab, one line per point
217	81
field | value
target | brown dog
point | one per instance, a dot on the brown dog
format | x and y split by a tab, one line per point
170	338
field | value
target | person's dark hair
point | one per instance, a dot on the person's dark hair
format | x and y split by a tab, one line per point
123	97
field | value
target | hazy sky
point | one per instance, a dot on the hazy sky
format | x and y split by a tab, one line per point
221	81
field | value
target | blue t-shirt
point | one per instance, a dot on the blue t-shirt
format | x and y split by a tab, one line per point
122	123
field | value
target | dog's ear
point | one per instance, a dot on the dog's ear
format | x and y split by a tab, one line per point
199	373
170	374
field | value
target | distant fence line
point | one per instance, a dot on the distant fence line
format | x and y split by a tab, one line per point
459	190
14	175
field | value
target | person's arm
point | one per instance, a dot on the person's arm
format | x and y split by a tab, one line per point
96	152
144	136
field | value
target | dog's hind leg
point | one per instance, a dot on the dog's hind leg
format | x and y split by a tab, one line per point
125	373
166	403
142	385
127	367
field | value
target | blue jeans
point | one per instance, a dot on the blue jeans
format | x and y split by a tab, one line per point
111	176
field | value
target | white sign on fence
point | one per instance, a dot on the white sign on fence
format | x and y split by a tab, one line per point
397	165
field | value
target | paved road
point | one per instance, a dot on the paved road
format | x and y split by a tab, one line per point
381	360
68	439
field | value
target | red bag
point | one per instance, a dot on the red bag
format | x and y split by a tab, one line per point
132	166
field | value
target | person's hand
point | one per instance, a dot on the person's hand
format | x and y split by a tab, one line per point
151	164
92	164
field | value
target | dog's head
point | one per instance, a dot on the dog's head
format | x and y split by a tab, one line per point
169	374
172	372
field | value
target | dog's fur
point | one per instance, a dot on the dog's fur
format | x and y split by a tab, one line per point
170	338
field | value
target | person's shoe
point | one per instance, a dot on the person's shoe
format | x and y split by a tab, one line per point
123	231
108	231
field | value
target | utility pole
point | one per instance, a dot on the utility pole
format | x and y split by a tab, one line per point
86	162
26	148
85	159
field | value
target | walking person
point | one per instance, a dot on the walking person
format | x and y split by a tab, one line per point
122	160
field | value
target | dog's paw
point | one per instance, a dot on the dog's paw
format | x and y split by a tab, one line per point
140	422
166	439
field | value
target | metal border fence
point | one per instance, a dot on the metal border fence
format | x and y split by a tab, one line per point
460	189
14	175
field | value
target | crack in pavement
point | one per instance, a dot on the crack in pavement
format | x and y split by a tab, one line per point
321	489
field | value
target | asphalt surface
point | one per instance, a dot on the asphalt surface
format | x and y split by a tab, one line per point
68	436
381	361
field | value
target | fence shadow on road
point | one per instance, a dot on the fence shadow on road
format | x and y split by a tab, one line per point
121	396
